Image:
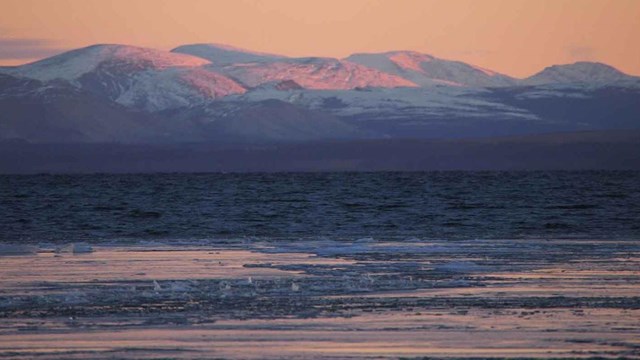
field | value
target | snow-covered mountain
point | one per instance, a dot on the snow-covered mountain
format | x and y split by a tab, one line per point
74	64
59	112
592	73
145	78
216	93
428	70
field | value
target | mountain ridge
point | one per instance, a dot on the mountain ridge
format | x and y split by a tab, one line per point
148	95
414	67
427	70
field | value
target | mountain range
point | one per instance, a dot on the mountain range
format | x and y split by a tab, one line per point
211	93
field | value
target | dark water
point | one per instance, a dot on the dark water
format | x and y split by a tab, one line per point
385	206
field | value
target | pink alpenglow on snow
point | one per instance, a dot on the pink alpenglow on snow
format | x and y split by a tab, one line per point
316	73
410	60
428	70
75	63
211	84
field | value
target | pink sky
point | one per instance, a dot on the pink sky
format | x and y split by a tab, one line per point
516	37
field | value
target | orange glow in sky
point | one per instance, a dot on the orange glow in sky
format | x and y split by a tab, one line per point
515	37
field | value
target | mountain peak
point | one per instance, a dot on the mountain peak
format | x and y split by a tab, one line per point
427	70
579	72
221	54
75	63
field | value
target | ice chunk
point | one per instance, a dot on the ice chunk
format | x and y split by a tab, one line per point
82	248
76	248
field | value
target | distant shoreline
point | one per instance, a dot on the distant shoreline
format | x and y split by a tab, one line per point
597	150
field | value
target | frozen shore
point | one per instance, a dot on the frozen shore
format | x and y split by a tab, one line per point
461	299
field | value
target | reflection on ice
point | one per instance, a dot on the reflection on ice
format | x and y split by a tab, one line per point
317	299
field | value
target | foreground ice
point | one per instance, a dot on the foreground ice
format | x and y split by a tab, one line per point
14	249
465	299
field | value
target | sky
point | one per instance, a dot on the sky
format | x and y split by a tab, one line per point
514	37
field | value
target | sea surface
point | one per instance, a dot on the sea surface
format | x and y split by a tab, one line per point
210	208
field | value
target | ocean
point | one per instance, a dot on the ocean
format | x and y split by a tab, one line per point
339	206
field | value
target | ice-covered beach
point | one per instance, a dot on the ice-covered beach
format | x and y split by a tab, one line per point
323	299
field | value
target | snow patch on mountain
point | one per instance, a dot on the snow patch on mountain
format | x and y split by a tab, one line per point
178	87
220	54
315	73
410	60
396	103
